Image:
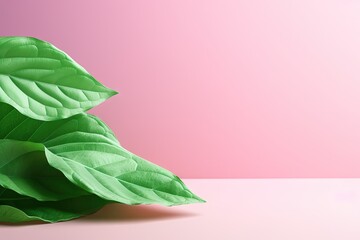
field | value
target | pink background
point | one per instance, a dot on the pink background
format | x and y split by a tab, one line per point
218	89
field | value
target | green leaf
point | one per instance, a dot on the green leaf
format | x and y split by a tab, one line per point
44	83
16	208
24	169
86	151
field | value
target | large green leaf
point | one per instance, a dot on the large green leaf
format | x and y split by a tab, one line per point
17	208
43	82
86	151
24	169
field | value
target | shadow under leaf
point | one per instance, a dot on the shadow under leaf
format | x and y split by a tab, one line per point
126	213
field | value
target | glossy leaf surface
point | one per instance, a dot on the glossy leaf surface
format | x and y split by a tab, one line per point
86	151
25	169
43	82
16	208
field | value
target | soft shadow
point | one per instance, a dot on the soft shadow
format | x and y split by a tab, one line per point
126	213
22	224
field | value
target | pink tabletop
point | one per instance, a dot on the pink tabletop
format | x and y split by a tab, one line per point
236	209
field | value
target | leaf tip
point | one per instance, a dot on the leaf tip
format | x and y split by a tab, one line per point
198	199
111	92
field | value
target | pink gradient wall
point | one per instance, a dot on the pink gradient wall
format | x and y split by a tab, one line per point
218	89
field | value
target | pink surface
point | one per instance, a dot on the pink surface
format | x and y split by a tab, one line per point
224	89
251	209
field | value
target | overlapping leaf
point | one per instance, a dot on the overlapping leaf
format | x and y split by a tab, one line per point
56	162
86	151
25	169
16	208
43	82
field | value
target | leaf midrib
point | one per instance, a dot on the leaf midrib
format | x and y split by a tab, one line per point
106	90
